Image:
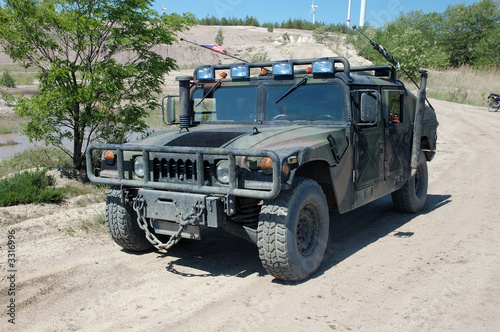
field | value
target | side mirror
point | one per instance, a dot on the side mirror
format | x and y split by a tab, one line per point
369	107
168	109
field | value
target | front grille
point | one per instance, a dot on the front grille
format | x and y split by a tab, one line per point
179	170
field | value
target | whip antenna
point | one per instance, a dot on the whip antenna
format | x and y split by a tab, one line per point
382	51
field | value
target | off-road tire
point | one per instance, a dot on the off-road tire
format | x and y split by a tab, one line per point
292	233
412	196
493	106
122	224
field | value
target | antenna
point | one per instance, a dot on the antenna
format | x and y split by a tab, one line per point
313	11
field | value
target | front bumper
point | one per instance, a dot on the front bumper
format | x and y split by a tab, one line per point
198	184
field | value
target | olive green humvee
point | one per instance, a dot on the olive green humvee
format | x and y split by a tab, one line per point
266	151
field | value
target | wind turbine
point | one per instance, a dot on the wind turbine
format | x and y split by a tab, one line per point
349	14
362	15
313	11
163	8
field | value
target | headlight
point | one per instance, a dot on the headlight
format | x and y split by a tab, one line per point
139	167
222	172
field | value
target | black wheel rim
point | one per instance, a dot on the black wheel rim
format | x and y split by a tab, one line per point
307	230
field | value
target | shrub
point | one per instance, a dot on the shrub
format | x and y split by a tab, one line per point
7	80
29	187
260	57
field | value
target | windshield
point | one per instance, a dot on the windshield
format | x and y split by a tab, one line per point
226	104
314	102
308	102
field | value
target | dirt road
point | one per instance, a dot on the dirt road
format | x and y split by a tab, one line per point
384	271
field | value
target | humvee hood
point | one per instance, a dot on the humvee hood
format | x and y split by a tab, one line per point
247	137
206	139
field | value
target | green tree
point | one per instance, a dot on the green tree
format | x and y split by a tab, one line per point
219	39
470	34
321	34
99	72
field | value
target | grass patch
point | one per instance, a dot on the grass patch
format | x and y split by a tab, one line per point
10	124
21	75
90	193
35	158
96	224
29	187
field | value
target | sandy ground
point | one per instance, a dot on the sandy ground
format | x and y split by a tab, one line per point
384	271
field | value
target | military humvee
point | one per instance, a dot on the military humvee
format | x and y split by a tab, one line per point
266	151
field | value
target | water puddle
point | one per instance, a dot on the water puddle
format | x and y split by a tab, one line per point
14	143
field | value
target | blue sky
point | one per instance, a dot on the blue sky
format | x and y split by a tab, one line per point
328	11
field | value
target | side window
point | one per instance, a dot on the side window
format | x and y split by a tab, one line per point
394	106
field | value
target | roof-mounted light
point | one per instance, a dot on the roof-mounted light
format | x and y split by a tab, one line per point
323	67
240	71
282	69
205	73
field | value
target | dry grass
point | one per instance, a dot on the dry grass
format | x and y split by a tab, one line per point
464	85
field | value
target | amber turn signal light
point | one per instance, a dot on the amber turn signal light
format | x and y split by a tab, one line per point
109	155
266	163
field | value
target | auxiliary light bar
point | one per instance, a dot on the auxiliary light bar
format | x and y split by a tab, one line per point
240	71
323	67
282	69
205	73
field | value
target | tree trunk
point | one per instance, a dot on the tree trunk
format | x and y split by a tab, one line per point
77	140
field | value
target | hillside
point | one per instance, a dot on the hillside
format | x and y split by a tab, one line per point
247	42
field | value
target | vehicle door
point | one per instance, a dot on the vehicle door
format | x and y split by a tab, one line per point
396	132
369	144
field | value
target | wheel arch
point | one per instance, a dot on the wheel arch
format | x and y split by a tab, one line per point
428	148
319	171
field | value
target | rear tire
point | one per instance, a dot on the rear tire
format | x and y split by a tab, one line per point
122	224
493	106
292	234
412	196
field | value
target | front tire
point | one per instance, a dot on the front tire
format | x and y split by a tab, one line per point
292	234
493	106
412	196
122	224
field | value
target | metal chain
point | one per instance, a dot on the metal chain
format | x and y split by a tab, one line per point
139	206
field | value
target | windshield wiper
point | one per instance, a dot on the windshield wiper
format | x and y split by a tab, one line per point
215	87
301	82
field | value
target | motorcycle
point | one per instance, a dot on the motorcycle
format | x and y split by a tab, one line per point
494	104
